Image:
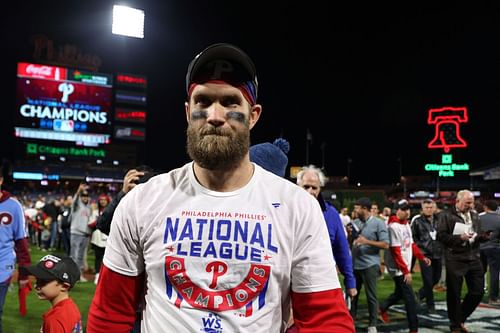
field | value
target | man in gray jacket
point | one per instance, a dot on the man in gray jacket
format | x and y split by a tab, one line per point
80	231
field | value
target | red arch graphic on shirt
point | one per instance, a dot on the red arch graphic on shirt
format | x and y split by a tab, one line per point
216	300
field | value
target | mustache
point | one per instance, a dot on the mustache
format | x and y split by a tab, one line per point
211	130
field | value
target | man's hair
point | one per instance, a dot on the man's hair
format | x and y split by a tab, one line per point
427	202
461	194
316	170
491	205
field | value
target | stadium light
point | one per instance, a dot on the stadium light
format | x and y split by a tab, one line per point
128	21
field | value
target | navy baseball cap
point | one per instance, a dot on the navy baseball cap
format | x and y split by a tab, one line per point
53	267
225	62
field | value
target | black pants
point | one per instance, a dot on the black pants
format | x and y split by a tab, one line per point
456	272
405	292
430	277
493	256
368	277
99	254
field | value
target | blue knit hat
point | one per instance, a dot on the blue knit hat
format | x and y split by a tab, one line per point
271	156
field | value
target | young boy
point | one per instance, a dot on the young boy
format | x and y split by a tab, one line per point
55	276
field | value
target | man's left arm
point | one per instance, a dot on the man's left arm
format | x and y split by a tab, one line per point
317	299
21	246
321	312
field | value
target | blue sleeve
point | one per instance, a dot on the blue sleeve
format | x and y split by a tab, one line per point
340	246
19	225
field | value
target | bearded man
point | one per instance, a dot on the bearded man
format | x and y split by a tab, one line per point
225	245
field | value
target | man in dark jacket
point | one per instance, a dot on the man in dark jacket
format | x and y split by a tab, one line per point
424	231
459	229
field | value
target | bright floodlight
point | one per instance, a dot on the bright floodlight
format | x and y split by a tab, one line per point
128	21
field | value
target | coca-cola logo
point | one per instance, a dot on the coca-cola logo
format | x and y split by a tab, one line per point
39	70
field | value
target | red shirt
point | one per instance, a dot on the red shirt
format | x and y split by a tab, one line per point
64	317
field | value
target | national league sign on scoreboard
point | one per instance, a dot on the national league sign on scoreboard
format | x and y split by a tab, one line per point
62	104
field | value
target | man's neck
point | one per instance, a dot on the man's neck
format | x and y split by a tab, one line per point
225	180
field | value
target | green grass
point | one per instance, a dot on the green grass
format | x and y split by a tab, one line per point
13	322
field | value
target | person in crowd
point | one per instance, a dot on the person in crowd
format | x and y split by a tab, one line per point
30	213
459	230
225	244
52	209
139	174
65	223
344	216
41	226
375	210
312	179
98	238
490	221
398	261
386	212
13	244
81	213
55	276
369	237
424	232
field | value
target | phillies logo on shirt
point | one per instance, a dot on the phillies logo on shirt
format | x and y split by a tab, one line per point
5	218
218	261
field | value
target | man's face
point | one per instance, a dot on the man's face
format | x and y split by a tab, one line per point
362	212
219	123
374	210
387	211
403	214
428	209
465	204
310	182
85	198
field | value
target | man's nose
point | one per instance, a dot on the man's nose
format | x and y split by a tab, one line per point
216	114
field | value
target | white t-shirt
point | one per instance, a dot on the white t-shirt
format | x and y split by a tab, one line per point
400	236
220	261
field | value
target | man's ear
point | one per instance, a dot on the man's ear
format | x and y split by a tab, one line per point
254	115
186	109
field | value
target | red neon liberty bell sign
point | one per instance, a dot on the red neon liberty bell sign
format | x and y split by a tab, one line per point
447	127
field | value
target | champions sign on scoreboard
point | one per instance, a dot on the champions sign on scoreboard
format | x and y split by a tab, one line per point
61	104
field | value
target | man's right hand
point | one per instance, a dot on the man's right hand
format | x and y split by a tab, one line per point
407	278
130	180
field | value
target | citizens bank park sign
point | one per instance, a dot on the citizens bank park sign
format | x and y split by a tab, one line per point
62	104
447	122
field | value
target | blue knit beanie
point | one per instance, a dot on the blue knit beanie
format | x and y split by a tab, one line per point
271	156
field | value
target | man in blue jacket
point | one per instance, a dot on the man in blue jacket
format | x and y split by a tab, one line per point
312	179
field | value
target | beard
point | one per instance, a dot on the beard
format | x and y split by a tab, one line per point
215	148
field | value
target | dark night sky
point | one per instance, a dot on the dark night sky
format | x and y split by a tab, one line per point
360	77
